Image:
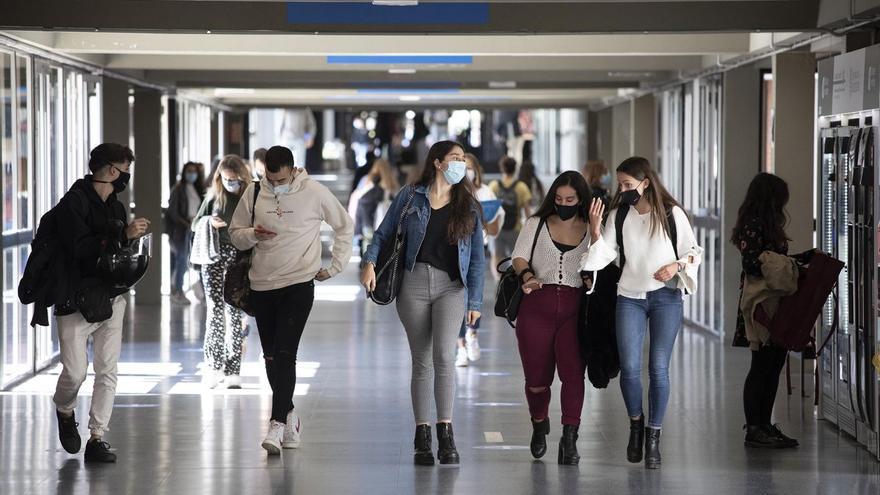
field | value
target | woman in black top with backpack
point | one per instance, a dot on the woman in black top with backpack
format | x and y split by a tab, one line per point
760	227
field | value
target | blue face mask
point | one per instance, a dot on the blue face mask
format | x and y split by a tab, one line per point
191	177
232	186
455	171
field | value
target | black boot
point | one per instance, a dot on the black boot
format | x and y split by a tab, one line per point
652	448
446	452
762	437
423	455
636	440
568	451
540	430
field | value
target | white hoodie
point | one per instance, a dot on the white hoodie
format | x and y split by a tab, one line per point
294	255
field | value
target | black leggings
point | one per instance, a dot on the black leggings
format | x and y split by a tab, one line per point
762	382
281	318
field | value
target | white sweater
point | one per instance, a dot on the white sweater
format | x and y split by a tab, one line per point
551	266
294	255
645	254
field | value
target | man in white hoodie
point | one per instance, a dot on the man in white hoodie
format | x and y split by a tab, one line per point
283	226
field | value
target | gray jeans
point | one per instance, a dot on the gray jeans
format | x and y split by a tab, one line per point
431	308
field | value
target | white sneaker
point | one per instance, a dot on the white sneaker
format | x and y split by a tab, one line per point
472	345
211	378
232	381
292	431
272	442
461	357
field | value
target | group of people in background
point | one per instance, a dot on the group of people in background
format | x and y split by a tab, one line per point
559	240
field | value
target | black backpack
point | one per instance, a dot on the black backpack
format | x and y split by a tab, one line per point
510	204
40	283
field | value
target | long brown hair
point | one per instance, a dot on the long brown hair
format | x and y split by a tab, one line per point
232	163
478	169
658	197
462	221
387	178
764	204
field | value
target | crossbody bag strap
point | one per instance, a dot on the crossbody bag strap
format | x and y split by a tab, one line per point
254	206
535	241
412	194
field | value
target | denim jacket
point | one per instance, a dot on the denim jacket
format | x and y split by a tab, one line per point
471	262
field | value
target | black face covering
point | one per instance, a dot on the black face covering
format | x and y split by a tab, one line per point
630	197
120	183
566	212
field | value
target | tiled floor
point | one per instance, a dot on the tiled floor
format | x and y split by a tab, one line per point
353	396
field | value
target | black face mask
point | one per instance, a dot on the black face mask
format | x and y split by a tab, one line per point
120	183
630	197
566	212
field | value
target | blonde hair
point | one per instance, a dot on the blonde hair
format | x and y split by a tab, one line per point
387	177
235	164
594	170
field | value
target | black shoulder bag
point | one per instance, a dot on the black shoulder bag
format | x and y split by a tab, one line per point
390	264
509	293
237	283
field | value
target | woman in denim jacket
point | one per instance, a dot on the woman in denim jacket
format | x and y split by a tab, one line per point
442	285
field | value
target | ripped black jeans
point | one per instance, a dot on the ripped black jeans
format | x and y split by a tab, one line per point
281	318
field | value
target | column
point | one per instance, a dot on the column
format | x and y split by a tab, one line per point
148	184
794	85
644	128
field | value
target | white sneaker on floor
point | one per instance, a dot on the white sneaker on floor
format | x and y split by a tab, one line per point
461	357
232	381
180	299
292	431
211	377
472	345
272	442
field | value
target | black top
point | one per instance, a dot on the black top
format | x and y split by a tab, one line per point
564	248
436	249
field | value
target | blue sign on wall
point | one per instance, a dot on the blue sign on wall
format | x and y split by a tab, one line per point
365	13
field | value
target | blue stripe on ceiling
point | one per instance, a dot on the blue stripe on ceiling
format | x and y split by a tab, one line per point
401	59
440	13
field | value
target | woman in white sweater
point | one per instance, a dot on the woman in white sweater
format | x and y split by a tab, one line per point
283	227
659	256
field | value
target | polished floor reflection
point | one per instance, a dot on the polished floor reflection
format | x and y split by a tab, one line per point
353	396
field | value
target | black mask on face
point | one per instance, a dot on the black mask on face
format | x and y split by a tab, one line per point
119	183
566	212
630	197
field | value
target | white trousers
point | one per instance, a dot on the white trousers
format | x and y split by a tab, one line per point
73	334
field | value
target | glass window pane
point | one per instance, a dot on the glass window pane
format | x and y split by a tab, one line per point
25	187
7	148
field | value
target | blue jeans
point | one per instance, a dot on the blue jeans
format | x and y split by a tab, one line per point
663	309
181	263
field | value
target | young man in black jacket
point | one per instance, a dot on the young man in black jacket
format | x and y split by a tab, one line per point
91	221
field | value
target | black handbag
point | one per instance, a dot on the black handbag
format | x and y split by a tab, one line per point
509	293
237	283
390	262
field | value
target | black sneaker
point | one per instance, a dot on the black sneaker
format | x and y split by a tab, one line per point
760	437
68	433
99	451
787	440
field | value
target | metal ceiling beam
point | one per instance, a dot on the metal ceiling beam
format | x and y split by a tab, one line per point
506	17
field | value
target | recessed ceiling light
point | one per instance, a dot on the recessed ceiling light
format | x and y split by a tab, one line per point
410	98
401	71
502	84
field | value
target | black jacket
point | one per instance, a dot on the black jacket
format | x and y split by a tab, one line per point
597	331
86	230
177	221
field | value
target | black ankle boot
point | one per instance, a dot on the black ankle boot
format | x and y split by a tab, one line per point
568	451
423	455
652	448
446	452
636	440
540	430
